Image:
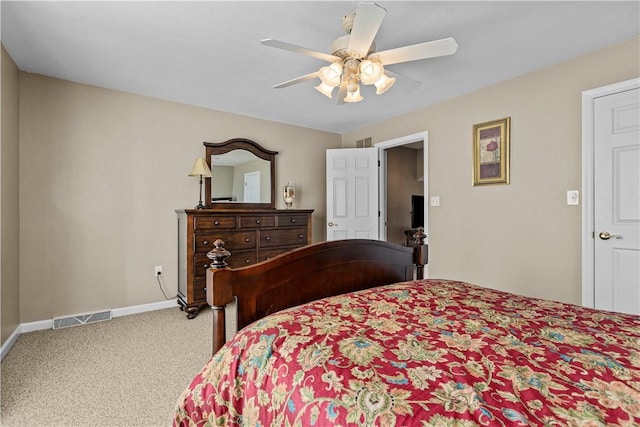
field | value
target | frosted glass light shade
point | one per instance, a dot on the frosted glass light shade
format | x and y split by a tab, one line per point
370	72
330	75
325	89
354	96
384	84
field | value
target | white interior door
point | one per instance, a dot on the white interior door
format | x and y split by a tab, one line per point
252	187
352	193
617	201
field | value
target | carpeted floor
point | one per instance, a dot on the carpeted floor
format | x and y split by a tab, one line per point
128	371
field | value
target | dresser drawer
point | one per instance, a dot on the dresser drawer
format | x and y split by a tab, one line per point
214	222
200	265
234	240
258	221
237	259
200	288
292	220
283	237
242	259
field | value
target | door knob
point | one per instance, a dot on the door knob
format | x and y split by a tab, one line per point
332	224
606	236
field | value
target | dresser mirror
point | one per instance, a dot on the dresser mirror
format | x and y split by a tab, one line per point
243	175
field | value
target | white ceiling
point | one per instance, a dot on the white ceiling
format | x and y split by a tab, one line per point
209	54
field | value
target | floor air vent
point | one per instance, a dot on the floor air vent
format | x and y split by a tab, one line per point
81	319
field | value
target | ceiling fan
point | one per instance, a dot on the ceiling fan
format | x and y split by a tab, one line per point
354	61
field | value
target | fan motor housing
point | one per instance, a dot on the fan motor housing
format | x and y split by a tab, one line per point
340	48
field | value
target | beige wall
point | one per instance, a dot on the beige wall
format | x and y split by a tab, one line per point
9	202
101	175
102	171
520	237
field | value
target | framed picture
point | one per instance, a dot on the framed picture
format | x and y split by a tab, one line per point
491	152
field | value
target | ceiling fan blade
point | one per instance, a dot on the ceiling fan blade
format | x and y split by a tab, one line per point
297	80
299	49
442	47
368	19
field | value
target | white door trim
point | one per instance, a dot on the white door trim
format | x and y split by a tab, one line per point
588	247
382	199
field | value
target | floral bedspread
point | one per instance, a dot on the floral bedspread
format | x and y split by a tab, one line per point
424	353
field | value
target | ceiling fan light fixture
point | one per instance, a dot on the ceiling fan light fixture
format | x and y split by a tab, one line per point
370	71
330	75
325	89
354	59
384	84
352	85
336	67
353	96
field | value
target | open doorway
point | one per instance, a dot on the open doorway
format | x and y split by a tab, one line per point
405	192
403	175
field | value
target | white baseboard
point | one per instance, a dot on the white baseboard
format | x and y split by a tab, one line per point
36	326
48	324
4	350
135	309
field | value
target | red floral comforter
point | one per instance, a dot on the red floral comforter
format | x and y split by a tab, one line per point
425	353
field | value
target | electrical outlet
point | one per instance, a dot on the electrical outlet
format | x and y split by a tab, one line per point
158	270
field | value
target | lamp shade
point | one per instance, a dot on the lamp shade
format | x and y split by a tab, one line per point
354	96
384	84
325	89
200	168
370	72
330	75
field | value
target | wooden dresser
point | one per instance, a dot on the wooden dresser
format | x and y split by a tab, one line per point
251	235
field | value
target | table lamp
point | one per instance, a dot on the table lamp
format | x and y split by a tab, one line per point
200	169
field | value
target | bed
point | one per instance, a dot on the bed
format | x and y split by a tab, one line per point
350	333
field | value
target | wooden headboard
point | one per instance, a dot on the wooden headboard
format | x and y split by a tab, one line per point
306	274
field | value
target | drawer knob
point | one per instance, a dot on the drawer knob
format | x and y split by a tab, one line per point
293	220
267	238
300	236
247	261
216	222
257	221
206	266
206	242
267	258
247	239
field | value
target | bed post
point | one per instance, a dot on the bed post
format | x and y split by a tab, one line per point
217	298
420	252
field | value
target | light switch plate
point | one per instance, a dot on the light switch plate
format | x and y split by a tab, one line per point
435	201
573	197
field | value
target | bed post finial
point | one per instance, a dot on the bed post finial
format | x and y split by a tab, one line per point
419	236
420	252
219	297
218	255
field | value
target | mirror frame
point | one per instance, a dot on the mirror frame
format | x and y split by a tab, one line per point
213	148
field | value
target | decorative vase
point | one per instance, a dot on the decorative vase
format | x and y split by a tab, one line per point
289	193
